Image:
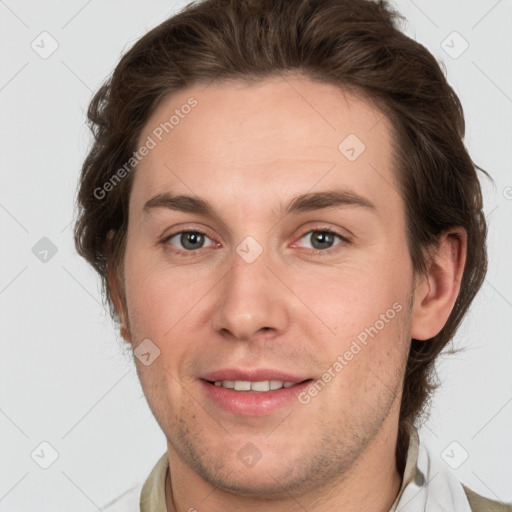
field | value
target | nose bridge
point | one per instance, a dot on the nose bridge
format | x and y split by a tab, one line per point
252	299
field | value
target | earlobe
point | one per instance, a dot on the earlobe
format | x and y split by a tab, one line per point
436	292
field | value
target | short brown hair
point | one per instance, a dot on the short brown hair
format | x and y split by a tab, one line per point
355	44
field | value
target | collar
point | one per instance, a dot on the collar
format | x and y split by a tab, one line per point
152	496
428	484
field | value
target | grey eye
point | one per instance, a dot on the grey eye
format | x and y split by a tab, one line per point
188	240
320	239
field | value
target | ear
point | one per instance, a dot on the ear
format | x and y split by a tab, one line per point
436	292
113	287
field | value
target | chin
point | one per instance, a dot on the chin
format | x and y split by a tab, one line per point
263	481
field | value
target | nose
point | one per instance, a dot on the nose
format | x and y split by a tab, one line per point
253	303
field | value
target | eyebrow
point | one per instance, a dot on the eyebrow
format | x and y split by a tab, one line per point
303	203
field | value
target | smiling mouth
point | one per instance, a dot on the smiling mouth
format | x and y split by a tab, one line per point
263	386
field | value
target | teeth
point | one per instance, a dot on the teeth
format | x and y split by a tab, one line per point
275	384
242	385
261	386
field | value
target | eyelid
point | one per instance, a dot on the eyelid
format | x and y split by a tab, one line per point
327	229
185	228
189	231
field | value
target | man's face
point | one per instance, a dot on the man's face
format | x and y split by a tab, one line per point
266	295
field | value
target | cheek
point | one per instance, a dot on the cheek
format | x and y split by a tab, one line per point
353	297
147	288
365	305
167	303
367	357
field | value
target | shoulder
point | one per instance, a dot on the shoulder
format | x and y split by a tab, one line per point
148	496
480	504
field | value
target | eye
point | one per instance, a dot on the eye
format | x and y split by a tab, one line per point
188	241
322	240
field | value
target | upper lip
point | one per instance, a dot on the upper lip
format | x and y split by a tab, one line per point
252	375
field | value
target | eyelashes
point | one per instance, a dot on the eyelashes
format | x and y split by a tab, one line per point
331	235
189	237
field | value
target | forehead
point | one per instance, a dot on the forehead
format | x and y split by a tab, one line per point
278	136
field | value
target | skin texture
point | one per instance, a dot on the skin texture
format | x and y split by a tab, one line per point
248	149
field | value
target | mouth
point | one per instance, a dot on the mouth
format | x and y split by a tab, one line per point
261	386
259	394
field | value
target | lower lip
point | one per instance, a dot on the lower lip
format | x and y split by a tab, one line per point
253	403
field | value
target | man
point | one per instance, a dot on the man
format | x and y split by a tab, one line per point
289	230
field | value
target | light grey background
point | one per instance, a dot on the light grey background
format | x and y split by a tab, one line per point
64	378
